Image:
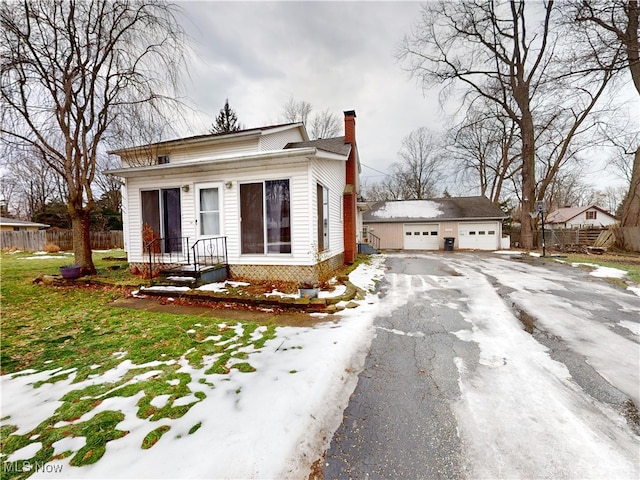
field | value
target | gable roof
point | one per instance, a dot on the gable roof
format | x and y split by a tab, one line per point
333	145
214	137
12	222
563	215
454	208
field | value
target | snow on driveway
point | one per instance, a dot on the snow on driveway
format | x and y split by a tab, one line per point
520	414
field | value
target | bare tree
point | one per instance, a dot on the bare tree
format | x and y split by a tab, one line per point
418	172
390	188
296	111
486	148
616	26
70	73
510	54
421	164
322	125
109	187
325	125
568	189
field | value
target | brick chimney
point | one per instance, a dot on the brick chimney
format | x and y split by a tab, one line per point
350	192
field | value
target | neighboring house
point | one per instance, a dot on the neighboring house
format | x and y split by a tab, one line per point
579	217
12	225
285	206
472	222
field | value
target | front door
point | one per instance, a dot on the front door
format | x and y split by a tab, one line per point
209	208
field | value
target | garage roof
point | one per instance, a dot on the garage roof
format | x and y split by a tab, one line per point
441	209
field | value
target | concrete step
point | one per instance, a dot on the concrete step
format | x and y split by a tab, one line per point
367	249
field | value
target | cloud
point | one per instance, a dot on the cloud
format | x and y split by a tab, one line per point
335	55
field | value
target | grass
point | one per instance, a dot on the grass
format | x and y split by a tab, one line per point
75	332
630	264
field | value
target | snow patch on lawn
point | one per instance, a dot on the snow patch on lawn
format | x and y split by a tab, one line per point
603	272
271	423
25	453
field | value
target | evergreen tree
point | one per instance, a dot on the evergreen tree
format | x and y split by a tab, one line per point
226	121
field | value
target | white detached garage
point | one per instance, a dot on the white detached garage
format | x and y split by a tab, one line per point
473	223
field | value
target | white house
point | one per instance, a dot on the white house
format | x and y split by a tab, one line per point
467	223
273	203
580	217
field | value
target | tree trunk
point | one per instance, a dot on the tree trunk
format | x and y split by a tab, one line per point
631	207
82	243
528	181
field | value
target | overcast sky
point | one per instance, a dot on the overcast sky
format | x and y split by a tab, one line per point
334	55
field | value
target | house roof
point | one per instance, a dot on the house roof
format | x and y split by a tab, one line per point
454	208
214	137
12	222
333	145
563	215
206	164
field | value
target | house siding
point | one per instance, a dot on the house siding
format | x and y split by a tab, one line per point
601	220
304	230
390	234
329	174
206	151
278	140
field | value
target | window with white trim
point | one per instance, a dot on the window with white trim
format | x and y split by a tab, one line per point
265	217
322	202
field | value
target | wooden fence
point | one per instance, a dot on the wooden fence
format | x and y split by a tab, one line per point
36	240
30	241
559	239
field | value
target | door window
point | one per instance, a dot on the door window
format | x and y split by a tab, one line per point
209	214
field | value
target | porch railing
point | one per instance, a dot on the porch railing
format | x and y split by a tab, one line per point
179	250
209	252
371	239
170	250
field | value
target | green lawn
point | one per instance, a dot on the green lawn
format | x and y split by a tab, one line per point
630	264
76	329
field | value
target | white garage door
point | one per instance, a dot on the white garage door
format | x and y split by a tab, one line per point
421	236
479	236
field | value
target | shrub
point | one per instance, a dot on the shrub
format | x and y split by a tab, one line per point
51	248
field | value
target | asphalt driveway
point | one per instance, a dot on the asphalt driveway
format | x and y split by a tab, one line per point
488	366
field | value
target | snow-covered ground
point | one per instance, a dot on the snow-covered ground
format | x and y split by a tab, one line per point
520	414
540	423
272	423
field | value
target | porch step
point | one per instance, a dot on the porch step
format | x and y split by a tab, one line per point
188	275
367	249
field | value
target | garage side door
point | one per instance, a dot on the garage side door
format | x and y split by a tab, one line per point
478	236
423	236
